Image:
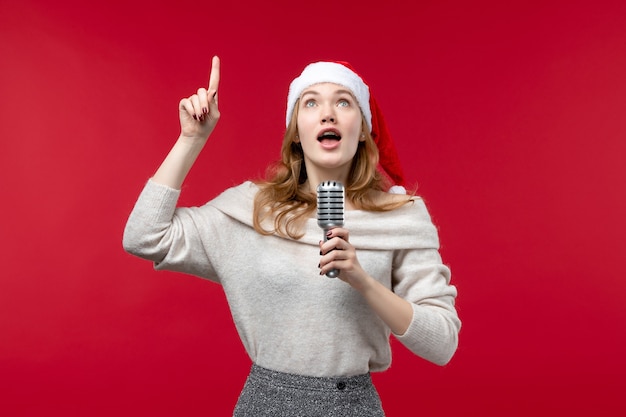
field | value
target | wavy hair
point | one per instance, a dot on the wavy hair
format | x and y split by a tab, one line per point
284	203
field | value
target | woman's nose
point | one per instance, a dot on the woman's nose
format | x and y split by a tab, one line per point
329	116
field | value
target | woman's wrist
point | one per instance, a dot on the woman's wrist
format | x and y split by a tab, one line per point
178	162
364	285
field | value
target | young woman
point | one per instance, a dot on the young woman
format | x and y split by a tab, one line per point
313	340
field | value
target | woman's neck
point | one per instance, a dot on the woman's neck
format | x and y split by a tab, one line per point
315	179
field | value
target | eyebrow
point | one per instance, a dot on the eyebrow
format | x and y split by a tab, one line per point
338	93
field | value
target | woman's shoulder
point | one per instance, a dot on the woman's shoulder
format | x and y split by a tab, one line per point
405	209
236	202
241	195
404	223
245	190
386	199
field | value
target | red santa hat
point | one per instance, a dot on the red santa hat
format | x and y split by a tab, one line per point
343	74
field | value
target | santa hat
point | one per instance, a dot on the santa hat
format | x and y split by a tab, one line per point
343	74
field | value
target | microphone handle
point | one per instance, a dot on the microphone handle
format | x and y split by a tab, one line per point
333	273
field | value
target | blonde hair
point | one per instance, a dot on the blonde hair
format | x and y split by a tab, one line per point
282	198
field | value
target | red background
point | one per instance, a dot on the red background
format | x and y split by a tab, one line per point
511	117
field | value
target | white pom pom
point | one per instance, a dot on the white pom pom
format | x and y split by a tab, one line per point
397	189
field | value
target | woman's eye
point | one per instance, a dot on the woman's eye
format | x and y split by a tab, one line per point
309	103
343	103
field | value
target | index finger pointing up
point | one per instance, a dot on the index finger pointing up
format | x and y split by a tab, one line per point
214	77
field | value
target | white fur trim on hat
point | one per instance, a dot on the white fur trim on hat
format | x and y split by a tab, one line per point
330	72
397	189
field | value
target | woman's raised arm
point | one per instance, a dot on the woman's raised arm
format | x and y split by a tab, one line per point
198	115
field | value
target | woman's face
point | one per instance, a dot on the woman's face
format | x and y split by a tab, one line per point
329	130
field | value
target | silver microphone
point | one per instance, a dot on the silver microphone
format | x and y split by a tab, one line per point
330	196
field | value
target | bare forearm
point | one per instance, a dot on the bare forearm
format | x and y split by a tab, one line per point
178	163
395	311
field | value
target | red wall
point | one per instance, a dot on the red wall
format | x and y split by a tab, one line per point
511	116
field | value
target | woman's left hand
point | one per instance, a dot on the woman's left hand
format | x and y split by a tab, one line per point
338	253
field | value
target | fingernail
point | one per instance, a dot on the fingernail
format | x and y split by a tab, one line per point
319	266
321	253
321	273
195	117
205	110
329	233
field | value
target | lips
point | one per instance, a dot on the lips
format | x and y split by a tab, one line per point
329	135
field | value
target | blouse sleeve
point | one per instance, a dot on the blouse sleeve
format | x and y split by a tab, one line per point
420	277
424	281
170	237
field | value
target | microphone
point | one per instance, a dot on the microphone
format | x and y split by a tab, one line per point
330	195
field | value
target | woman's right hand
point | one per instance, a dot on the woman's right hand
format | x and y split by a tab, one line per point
199	113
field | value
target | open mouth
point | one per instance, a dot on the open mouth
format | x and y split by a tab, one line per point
329	135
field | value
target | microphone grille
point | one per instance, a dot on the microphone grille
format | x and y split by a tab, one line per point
330	200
